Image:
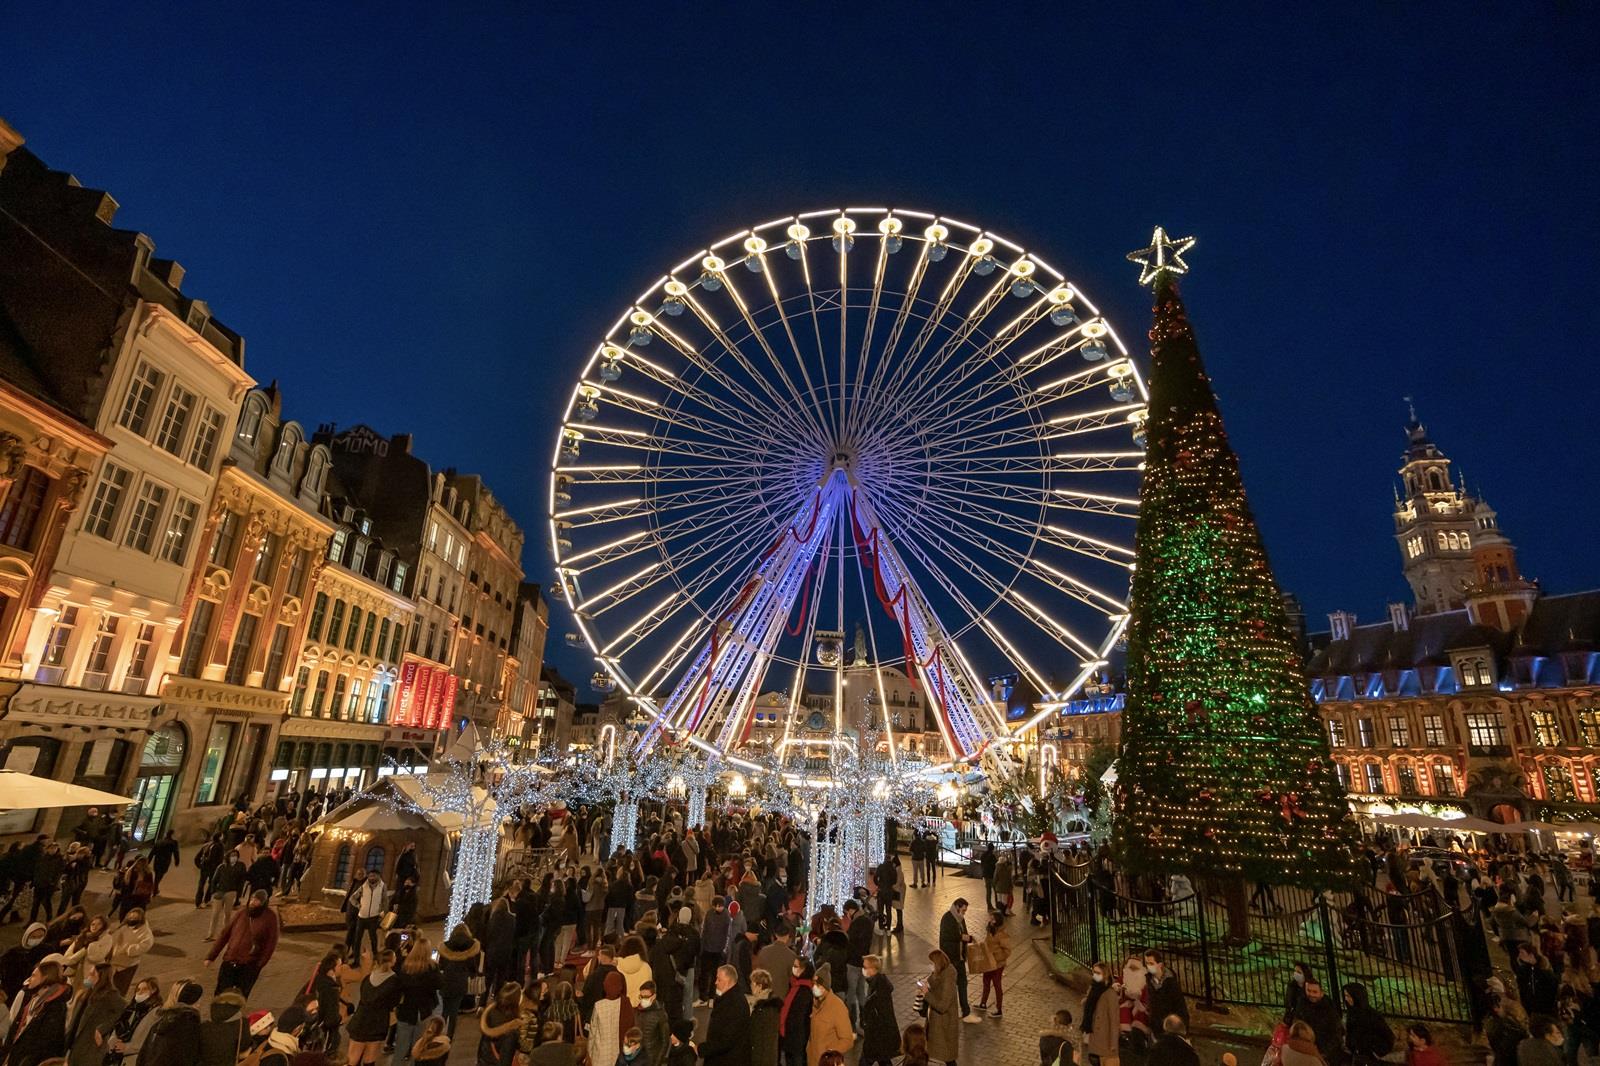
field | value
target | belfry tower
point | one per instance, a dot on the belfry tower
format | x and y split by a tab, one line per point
1436	523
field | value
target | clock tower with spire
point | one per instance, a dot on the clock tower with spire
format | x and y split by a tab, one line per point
1436	523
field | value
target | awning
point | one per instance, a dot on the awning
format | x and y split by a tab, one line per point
21	792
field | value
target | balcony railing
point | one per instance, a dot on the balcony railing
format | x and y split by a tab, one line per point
133	685
50	675
96	680
1489	751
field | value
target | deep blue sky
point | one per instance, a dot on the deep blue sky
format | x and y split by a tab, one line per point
424	220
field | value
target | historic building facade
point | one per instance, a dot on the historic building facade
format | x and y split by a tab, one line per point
107	329
530	626
245	609
494	575
346	721
1487	697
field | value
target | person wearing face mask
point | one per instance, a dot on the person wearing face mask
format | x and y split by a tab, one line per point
653	1025
1165	993
128	945
632	1053
880	1033
94	1011
764	1010
226	884
126	1035
727	1040
1055	1042
1296	992
794	1018
830	1019
174	1034
17	964
39	1016
1100	1019
246	945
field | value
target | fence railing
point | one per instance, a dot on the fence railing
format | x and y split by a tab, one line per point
1406	949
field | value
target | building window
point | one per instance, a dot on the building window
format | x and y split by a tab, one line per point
353	634
244	641
1558	785
1589	725
1444	775
147	508
175	421
336	705
249	423
226	537
320	694
373	863
336	622
297	702
1408	780
358	555
1485	731
267	558
353	709
1374	774
383	703
372	700
1546	733
1399	731
336	545
297	572
1475	672
106	504
394	646
319	611
53	660
97	671
138	675
141	398
206	435
1364	732
399	579
367	633
214	763
341	866
20	514
180	530
1433	730
194	642
276	652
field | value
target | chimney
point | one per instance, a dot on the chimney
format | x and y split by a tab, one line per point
1340	624
1399	617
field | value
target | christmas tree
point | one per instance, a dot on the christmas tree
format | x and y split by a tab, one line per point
1224	766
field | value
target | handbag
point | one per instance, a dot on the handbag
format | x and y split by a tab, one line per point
477	985
387	921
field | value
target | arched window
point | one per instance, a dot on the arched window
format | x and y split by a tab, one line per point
373	863
341	867
1444	542
250	419
1436	479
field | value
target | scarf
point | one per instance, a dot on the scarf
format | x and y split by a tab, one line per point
1096	990
615	985
795	985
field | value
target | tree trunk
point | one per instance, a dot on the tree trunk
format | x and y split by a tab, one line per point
1236	897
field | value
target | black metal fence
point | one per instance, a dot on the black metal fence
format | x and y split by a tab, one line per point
1407	950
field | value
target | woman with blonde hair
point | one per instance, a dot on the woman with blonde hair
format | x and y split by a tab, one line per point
944	1009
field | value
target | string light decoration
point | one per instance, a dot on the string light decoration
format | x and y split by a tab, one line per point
692	773
483	783
601	777
1224	768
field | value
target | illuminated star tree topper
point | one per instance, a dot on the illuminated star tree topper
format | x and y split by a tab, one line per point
1163	257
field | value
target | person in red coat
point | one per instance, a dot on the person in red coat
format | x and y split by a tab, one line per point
246	945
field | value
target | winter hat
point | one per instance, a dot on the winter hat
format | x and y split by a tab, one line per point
36	927
733	907
686	916
683	1029
262	1022
189	993
824	975
54	957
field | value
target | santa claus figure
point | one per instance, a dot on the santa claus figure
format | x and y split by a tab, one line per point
1133	1001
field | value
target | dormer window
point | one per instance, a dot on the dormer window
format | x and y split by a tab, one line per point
1474	671
249	421
336	545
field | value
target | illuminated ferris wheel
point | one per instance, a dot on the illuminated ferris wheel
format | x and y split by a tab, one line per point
873	418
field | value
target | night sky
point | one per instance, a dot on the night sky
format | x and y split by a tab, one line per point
424	221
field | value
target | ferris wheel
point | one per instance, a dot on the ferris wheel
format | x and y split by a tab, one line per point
870	418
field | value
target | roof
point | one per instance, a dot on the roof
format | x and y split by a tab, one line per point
1566	622
406	796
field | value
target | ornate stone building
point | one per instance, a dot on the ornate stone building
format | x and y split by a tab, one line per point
346	723
1487	698
245	608
530	626
494	574
106	329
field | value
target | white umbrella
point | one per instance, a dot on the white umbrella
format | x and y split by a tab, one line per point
21	792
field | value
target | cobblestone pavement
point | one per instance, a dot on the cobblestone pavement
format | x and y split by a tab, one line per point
1032	996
